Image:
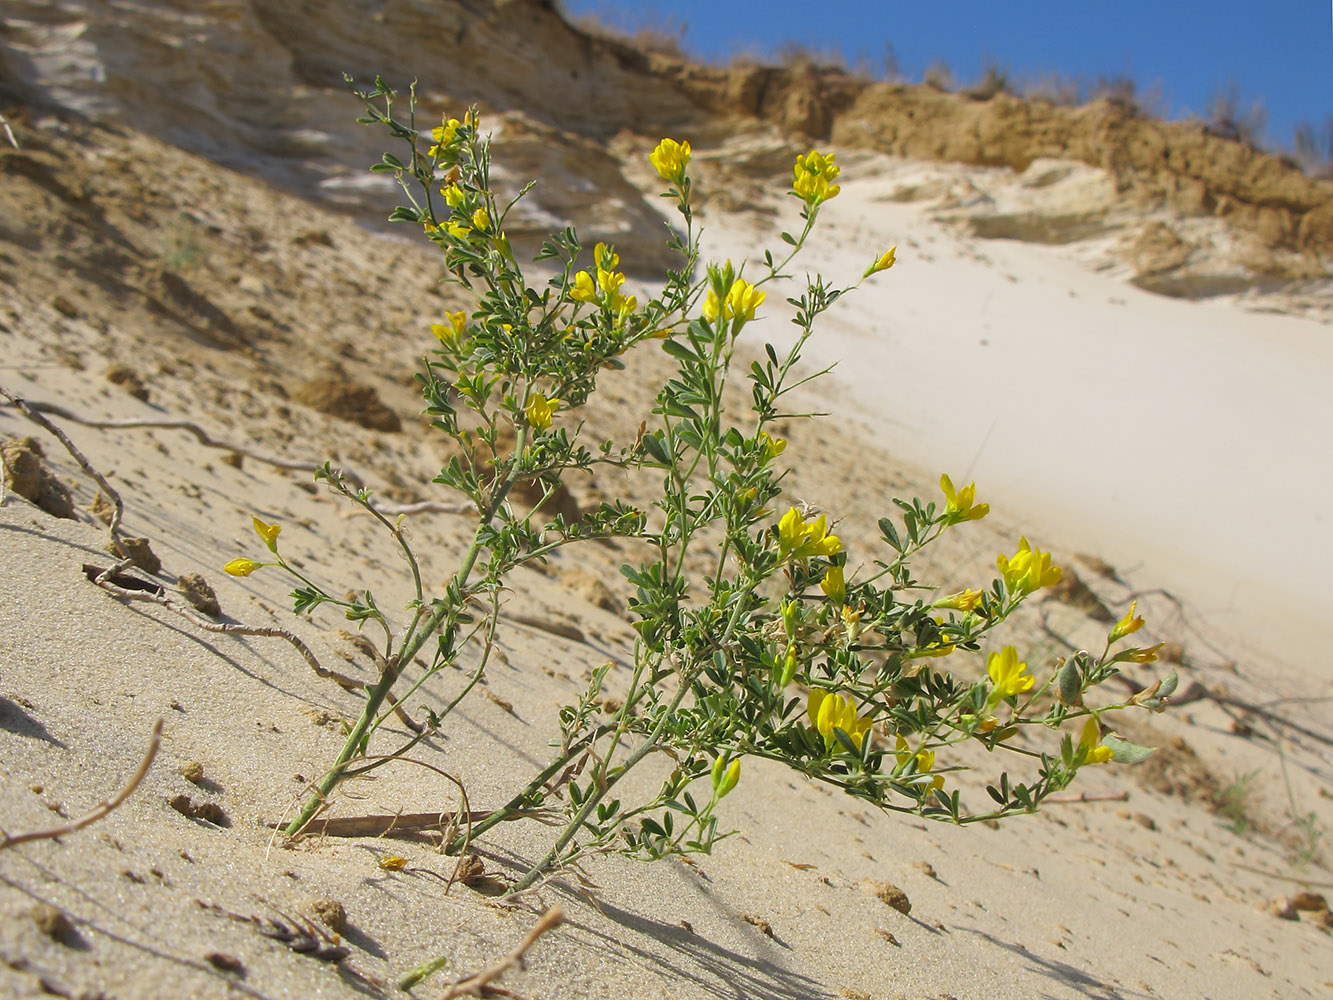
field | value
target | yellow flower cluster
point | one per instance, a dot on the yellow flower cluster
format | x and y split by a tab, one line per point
607	285
925	761
798	539
446	133
814	178
451	333
1028	569
741	300
670	158
829	711
268	533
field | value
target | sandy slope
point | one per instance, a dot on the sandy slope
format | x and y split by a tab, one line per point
1184	439
1150	897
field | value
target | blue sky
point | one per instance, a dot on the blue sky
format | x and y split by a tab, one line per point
1277	51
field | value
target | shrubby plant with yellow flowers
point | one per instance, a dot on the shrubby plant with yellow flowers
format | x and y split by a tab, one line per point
787	649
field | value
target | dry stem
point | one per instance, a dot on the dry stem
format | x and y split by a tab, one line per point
30	410
476	985
204	438
236	628
99	811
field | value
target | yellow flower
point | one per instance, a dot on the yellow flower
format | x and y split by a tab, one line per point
883	262
669	159
481	219
834	586
711	307
773	447
539	411
1027	570
959	505
925	761
799	540
1088	740
268	532
964	600
583	290
605	258
443	135
1127	625
814	174
241	566
453	196
940	647
1142	655
392	863
458	230
1007	674
829	711
610	282
452	331
742	300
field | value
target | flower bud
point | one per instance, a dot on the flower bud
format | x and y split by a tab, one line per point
1069	683
729	779
789	664
241	566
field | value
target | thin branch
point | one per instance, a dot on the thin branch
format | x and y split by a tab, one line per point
1199	692
30	410
420	507
479	985
103	580
9	133
99	811
388	824
199	433
1074	797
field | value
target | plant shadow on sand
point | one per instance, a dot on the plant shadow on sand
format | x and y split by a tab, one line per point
717	970
1067	975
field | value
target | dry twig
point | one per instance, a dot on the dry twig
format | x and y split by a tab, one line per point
92	817
478	985
104	581
203	437
30	410
1075	797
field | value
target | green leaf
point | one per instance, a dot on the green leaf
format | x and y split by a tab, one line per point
890	533
1125	752
678	350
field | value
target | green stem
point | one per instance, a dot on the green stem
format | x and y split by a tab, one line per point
596	794
411	643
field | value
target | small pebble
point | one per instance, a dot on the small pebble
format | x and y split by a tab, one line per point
329	912
888	894
192	771
53	923
225	963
